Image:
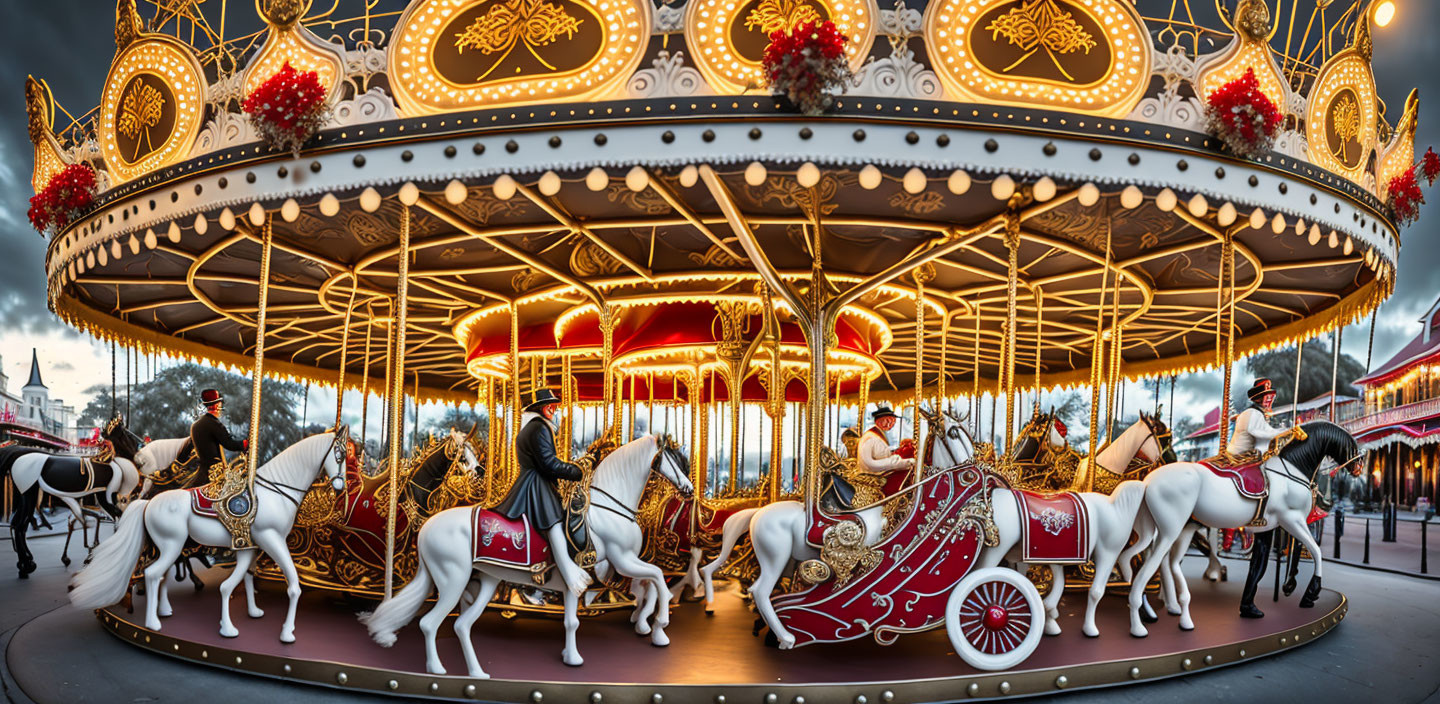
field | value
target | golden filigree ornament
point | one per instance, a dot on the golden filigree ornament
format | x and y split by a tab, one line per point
288	41
1340	120
1399	154
1088	56
729	36
450	55
1250	50
844	550
153	102
40	120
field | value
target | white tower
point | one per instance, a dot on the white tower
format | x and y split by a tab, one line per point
34	394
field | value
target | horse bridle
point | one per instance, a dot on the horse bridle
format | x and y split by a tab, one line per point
339	449
666	445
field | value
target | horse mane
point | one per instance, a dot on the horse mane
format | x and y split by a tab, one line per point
624	452
286	460
1323	439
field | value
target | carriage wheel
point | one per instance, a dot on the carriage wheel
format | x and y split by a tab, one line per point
994	618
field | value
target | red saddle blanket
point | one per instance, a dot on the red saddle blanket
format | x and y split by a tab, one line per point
1054	528
201	504
497	540
1249	479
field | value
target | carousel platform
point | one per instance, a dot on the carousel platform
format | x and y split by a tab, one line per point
713	658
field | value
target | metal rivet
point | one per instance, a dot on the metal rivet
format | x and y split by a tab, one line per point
477	149
1337	207
708	135
1209	660
1004	687
407	155
912	137
222	183
973	689
1134	673
943	140
1134	159
1049	149
512	146
238	660
1313	199
1284	640
719	699
434	687
555	141
755	133
205	654
342	678
887	696
667	136
806	133
1242	652
1186	663
858	135
596	697
1284	188
771	698
176	647
470	690
1062	682
1219	172
861	699
1095	155
450	151
535	696
1182	165
656	698
393	685
358	161
1254	180
314	167
287	669
800	700
991	146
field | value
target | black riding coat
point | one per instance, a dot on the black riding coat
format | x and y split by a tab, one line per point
534	493
208	435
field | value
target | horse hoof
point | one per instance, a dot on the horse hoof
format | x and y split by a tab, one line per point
65	561
166	613
709	611
1172	612
1052	628
257	613
1091	632
1139	632
24	574
287	637
1184	626
1149	617
1289	588
660	640
571	659
230	632
642	629
787	643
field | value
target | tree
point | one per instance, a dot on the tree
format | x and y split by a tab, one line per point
459	419
1315	370
166	406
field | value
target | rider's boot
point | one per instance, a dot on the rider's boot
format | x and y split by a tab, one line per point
576	579
1259	555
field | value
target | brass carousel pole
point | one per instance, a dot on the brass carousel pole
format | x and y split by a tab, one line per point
267	237
1097	353
607	350
1225	321
921	275
365	375
344	356
512	468
1039	336
567	396
975	381
695	388
1012	245
395	394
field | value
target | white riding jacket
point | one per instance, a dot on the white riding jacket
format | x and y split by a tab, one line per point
876	456
1252	432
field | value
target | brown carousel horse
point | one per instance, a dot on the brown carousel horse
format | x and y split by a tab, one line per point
339	538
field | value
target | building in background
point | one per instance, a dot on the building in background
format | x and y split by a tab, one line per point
33	418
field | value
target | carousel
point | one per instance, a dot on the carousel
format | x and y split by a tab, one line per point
678	256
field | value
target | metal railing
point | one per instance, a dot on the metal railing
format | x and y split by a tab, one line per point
1390	416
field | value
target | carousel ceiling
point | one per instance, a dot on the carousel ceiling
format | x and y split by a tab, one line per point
597	168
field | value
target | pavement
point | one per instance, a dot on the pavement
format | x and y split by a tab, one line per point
1401	556
1384	651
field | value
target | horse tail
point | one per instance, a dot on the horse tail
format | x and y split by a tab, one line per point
393	613
736	527
104	581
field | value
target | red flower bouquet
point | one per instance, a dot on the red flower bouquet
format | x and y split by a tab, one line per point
1430	166
1404	197
1242	117
288	108
807	65
65	198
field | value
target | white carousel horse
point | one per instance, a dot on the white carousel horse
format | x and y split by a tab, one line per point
447	558
1110	520
168	521
777	531
1182	497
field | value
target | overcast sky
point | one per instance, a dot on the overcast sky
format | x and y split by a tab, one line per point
69	43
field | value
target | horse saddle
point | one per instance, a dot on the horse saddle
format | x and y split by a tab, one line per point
237	505
1247	472
1054	528
503	542
75	475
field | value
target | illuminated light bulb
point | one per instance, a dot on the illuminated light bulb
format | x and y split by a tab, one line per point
1334	240
870	177
1300	227
455	192
637	179
173	232
807	175
104	256
1384	13
150	239
1002	187
1349	246
597	179
227	220
256	214
1257	219
1131	197
959	182
1044	189
1089	195
289	210
115	248
90	259
1314	235
755	173
914	182
409	193
549	183
369	199
134	244
1226	216
504	187
1198	206
689	176
201	224
1166	200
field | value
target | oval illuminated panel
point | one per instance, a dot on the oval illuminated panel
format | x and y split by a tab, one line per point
303	51
1088	56
1249	51
151	108
728	38
1340	121
1399	155
462	54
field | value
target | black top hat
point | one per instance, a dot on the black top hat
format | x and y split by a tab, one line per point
210	397
883	412
541	398
1260	390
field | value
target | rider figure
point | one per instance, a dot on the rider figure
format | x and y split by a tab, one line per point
1253	431
534	493
208	434
875	454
